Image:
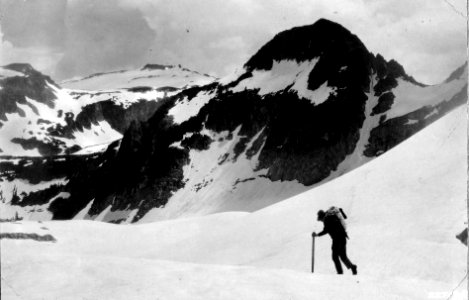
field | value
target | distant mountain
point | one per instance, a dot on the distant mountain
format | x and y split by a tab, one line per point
309	106
39	117
149	76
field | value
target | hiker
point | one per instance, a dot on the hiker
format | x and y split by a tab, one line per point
335	227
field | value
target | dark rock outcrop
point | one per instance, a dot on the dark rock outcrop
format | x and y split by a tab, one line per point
156	67
463	236
33	84
52	148
116	115
391	132
27	236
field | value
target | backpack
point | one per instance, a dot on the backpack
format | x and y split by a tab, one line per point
336	212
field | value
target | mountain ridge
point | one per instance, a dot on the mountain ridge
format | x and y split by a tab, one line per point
283	126
146	76
284	136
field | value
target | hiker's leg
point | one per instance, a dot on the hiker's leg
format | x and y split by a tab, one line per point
342	249
336	257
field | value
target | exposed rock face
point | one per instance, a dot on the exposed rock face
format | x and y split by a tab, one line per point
297	113
144	167
36	170
30	83
304	141
155	67
392	131
118	117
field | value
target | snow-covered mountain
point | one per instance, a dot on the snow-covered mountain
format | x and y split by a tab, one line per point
168	77
311	105
404	209
42	123
40	118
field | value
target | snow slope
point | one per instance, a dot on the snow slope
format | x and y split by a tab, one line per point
287	73
404	208
410	97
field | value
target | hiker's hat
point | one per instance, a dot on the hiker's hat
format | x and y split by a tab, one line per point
321	215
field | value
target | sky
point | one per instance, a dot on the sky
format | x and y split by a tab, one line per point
71	38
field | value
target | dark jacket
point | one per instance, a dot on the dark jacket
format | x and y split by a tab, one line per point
333	227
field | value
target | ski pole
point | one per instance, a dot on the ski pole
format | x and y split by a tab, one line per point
312	256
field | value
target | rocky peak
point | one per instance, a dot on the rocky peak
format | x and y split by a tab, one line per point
391	70
24	68
35	76
343	60
305	43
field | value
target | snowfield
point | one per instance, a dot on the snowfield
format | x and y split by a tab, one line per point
287	73
410	97
405	209
168	75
